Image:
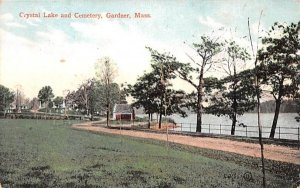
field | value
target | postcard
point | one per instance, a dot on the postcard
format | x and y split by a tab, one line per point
149	93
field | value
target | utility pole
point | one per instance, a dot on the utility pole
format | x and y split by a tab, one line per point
163	82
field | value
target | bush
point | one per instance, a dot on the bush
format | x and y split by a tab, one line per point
2	114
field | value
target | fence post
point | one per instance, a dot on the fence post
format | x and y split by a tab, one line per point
298	138
190	127
220	129
246	131
209	128
181	127
279	132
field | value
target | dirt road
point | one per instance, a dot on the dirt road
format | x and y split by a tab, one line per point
273	152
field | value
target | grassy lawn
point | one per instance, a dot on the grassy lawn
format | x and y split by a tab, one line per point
47	153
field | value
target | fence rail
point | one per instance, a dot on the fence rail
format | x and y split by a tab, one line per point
41	115
290	133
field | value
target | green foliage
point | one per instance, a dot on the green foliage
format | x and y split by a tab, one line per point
45	95
152	90
90	97
194	73
280	59
233	95
243	92
106	72
145	93
280	62
6	97
298	117
58	101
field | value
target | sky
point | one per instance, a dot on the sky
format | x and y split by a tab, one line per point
62	52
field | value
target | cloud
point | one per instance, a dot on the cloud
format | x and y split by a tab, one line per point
39	60
210	22
8	20
124	44
33	21
15	24
34	64
6	17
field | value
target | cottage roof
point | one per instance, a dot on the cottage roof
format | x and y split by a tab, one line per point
123	108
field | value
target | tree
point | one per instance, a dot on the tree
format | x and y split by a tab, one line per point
279	63
100	98
238	92
206	50
144	93
83	95
6	96
58	101
298	104
297	95
34	104
235	97
89	98
152	90
45	95
106	73
19	98
81	99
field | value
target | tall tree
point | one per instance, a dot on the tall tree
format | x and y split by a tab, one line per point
194	73
163	71
19	98
106	73
238	92
233	96
149	93
144	92
6	97
280	60
81	98
297	95
83	95
45	95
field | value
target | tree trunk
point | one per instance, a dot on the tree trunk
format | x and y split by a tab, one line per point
107	115
199	121
149	120
275	119
161	111
159	121
199	101
235	104
233	124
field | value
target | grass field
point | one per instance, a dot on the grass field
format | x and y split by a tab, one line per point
48	153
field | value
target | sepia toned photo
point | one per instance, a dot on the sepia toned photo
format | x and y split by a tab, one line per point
194	93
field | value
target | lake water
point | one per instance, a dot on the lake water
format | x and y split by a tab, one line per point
287	125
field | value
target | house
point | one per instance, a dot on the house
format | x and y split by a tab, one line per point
123	112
